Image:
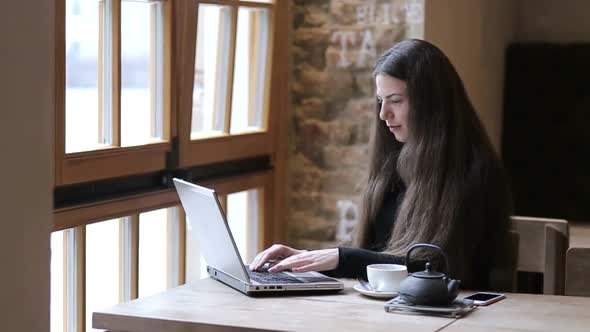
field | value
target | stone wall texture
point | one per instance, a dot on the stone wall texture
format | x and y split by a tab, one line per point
335	44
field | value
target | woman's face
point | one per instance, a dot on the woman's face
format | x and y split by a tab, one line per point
391	95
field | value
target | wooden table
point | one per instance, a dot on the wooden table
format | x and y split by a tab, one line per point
209	305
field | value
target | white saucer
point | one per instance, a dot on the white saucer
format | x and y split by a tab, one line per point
382	295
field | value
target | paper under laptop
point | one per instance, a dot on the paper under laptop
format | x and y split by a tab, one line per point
211	230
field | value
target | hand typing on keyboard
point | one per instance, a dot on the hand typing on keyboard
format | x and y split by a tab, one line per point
296	260
273	255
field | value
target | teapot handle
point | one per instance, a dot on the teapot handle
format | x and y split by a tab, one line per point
432	246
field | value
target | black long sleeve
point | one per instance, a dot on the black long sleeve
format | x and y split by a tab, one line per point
353	262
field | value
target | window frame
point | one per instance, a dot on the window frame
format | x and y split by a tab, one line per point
113	161
178	151
227	146
74	221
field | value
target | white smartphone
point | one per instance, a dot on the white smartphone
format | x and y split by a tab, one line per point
485	298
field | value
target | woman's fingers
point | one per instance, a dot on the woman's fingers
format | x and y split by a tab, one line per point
306	268
261	257
317	260
291	263
259	260
276	251
256	262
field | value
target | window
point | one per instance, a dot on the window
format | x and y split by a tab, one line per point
143	118
139	254
113	98
84	42
227	116
101	264
102	267
243	211
137	105
249	96
211	71
159	254
57	282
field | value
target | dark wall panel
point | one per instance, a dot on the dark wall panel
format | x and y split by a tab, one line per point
546	138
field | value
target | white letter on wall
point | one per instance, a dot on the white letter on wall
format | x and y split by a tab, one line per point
367	50
346	223
345	37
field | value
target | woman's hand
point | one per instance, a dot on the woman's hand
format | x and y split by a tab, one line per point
274	253
315	260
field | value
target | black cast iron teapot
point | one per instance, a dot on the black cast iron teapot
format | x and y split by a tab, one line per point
428	287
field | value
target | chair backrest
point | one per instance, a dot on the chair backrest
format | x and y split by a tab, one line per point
542	246
577	280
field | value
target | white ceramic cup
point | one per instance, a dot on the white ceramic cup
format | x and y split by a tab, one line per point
386	277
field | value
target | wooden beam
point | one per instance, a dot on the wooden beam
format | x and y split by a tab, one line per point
60	88
279	118
110	209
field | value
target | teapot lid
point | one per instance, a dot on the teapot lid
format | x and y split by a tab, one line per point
428	273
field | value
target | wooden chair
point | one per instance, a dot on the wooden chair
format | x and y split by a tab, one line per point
542	246
577	260
577	272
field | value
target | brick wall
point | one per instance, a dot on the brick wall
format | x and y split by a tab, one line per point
335	44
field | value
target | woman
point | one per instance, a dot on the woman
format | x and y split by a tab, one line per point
433	178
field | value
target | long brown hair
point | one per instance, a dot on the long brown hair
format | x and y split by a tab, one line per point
447	147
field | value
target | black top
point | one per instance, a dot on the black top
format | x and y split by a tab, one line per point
353	262
480	230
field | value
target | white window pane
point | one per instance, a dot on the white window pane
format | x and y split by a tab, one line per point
82	78
249	97
242	217
152	252
141	73
211	71
57	282
102	267
196	266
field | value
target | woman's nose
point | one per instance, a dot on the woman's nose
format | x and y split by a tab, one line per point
384	112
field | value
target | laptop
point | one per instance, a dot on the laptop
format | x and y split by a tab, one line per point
224	262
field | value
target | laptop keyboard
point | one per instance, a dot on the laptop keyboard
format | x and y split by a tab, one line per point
272	278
